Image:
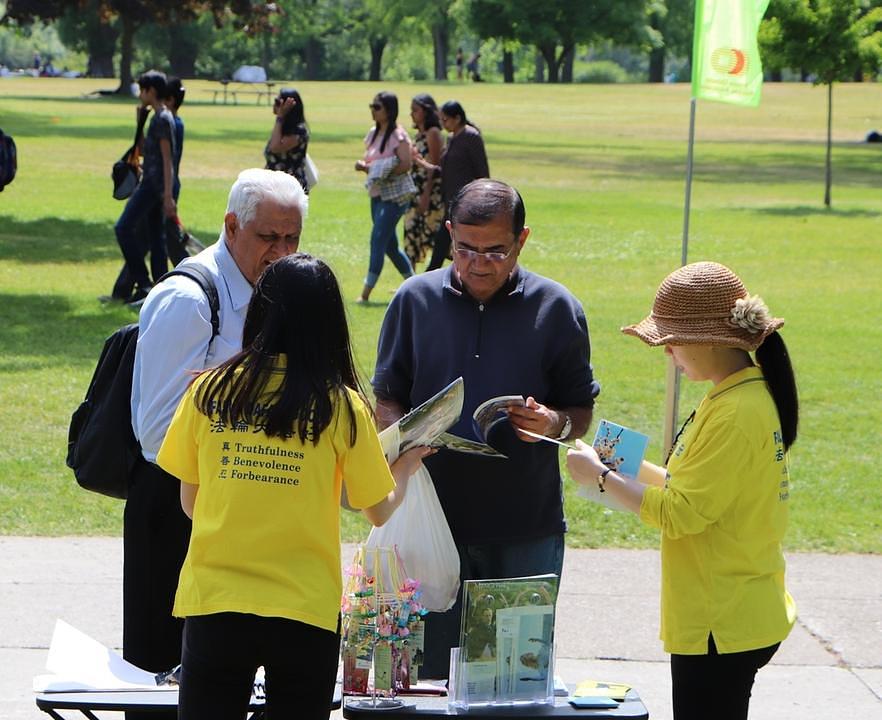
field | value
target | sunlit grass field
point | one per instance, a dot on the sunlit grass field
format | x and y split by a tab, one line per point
602	171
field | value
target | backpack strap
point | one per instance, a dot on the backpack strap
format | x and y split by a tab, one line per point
203	279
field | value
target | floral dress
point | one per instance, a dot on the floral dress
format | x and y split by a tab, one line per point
420	229
291	162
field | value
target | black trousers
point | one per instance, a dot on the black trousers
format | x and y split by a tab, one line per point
156	534
715	685
223	651
440	246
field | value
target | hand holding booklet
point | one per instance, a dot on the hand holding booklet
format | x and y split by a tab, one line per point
427	424
620	449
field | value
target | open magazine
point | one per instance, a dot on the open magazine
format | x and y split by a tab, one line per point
427	424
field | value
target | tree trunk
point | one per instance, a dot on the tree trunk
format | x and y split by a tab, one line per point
568	57
441	43
552	61
539	65
657	65
100	65
657	54
507	66
829	174
183	49
126	48
313	58
378	44
266	51
776	75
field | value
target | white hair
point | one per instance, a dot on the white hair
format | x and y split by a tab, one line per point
255	185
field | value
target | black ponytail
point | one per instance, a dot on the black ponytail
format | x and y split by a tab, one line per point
774	360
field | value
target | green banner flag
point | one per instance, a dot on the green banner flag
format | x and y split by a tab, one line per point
726	62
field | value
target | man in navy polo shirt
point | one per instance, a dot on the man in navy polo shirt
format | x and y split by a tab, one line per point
507	331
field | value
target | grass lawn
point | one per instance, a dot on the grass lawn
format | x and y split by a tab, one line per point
601	169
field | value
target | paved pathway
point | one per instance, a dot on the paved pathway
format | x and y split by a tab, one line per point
829	668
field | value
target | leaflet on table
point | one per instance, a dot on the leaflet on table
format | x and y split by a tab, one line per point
621	449
78	663
507	641
427	424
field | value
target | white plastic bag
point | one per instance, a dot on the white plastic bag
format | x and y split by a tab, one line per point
311	172
420	531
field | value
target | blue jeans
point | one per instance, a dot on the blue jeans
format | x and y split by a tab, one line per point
484	562
145	205
384	241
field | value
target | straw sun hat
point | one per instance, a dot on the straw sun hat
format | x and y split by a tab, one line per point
705	303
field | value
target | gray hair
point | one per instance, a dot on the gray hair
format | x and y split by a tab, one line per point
255	185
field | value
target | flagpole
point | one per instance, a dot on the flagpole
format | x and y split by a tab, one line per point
672	384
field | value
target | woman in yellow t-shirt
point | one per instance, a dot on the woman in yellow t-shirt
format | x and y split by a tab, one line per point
722	506
263	446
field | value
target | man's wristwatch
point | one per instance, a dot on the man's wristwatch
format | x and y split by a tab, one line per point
567	427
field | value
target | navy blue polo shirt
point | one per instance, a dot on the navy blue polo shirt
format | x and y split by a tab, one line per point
531	338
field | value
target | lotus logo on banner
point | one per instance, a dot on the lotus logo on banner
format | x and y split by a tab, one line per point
725	58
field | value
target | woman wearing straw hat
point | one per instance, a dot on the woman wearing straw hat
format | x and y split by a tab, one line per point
722	510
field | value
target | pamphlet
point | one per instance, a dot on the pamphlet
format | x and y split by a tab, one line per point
621	449
598	688
507	641
427	424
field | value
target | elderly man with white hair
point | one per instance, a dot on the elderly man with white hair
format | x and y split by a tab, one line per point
263	222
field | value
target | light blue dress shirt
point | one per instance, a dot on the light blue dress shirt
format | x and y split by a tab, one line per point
174	341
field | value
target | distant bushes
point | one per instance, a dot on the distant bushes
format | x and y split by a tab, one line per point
602	72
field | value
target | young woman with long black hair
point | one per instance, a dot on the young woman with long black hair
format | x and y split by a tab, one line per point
264	445
723	506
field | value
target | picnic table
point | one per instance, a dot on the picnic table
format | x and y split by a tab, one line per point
233	89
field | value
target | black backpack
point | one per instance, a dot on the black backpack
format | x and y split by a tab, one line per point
101	446
8	160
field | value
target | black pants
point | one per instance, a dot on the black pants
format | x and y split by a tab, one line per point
715	685
222	652
156	534
440	247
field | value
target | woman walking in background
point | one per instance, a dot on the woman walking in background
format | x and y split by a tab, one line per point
463	160
387	162
152	200
723	507
263	446
286	148
423	217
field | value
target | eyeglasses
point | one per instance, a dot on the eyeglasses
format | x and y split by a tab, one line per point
469	255
375	106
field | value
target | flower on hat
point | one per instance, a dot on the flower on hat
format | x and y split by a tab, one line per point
750	313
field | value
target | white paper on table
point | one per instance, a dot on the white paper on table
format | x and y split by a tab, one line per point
79	662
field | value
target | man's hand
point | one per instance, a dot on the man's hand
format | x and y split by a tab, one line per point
536	418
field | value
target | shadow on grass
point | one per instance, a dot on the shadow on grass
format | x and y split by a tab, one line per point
55	240
812	210
44	331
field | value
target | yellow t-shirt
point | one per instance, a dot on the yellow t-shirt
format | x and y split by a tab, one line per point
723	515
266	522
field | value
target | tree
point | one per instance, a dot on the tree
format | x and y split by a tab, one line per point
673	24
92	33
132	14
831	39
555	26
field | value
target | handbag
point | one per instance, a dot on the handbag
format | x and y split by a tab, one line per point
419	530
126	172
311	172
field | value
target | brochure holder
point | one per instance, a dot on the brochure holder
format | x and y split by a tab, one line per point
506	653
